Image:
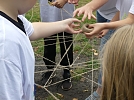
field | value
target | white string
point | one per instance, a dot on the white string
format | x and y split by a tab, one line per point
73	65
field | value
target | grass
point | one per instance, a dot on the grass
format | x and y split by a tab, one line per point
34	16
94	64
78	71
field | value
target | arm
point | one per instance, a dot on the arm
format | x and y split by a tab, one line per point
89	8
42	30
98	27
104	31
116	24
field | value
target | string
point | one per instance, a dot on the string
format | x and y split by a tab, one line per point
73	65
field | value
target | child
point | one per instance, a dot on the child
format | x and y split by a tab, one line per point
16	53
65	40
118	66
106	9
125	15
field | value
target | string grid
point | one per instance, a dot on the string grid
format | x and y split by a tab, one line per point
86	58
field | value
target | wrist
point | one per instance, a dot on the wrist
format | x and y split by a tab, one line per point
106	25
62	25
89	6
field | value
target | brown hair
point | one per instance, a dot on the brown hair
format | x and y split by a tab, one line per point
118	65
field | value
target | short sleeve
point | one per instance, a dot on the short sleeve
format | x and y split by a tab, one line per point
132	8
118	5
27	25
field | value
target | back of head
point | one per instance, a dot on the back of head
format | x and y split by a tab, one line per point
118	65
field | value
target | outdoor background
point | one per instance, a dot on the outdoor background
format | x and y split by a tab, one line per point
85	66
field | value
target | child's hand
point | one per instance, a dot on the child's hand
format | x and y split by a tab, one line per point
86	11
102	33
97	30
71	27
59	3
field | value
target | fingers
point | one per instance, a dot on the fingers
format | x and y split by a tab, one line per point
75	20
73	28
75	31
94	17
76	27
103	32
90	15
78	12
84	16
73	25
75	12
59	4
92	33
86	13
56	4
89	35
100	35
86	28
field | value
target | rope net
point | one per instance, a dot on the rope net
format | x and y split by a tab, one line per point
85	66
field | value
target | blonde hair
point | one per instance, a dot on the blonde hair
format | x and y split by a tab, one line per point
118	65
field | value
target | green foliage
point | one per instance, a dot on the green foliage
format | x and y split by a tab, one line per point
93	64
34	16
80	43
78	71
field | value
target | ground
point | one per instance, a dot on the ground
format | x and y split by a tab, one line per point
81	89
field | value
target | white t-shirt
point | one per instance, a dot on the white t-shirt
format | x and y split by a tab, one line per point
52	14
16	61
108	10
125	7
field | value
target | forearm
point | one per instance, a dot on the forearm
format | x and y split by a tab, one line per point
95	4
42	29
116	24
